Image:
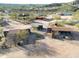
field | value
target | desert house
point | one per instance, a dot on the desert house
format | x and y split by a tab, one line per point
58	31
40	18
65	15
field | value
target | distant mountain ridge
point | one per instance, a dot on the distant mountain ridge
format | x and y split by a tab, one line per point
20	5
60	6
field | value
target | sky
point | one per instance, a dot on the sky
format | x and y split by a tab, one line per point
33	1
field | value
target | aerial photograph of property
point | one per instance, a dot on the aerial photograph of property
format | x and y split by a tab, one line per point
39	28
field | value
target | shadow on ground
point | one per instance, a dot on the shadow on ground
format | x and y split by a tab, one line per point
4	51
39	50
38	36
33	37
43	30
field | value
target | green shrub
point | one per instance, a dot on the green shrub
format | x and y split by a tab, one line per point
77	25
22	34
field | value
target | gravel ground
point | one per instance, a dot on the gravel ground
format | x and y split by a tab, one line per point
46	47
43	48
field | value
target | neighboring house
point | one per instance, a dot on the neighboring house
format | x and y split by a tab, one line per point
22	16
65	15
76	3
40	18
40	22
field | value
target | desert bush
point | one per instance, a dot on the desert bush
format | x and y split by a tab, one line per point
77	25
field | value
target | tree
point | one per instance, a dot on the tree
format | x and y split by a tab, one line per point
21	35
56	17
1	20
68	7
77	25
13	16
2	38
76	15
